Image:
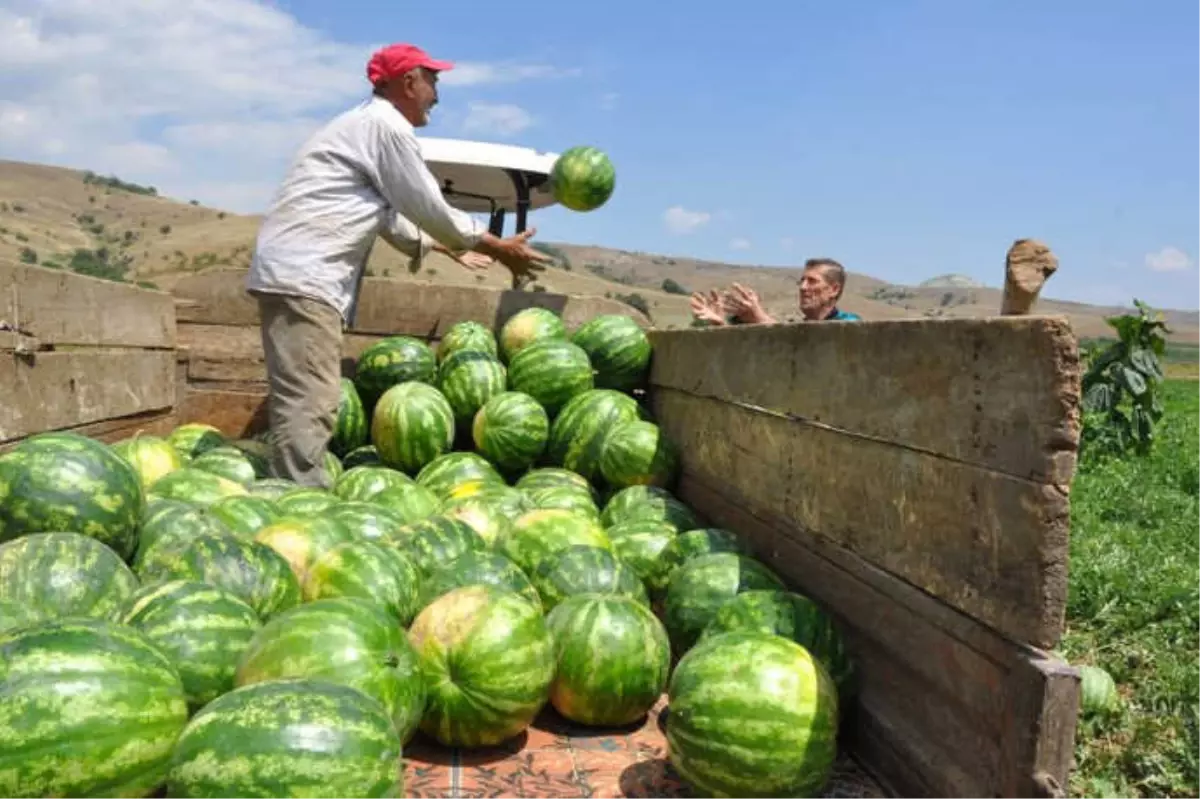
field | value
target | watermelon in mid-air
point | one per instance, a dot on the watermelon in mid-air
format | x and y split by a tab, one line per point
583	178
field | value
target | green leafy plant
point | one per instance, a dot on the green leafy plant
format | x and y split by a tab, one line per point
1122	400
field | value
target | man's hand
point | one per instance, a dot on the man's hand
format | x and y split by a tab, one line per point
744	303
710	309
475	261
517	256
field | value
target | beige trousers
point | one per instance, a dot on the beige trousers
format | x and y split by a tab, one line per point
302	341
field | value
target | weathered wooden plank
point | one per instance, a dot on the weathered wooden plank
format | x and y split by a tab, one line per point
1001	392
54	306
989	544
221	353
151	423
391	307
946	706
238	414
56	390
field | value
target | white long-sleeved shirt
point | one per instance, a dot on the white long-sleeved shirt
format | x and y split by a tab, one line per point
360	176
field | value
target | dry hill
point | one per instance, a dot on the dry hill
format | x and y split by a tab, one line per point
72	219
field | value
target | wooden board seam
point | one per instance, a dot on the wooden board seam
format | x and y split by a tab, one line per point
794	417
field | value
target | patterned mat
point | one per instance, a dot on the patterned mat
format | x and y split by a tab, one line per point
555	758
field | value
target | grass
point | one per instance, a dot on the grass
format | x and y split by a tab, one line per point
1133	609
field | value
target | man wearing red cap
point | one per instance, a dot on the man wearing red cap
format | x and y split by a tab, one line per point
360	176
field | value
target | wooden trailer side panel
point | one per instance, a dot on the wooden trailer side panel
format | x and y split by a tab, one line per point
84	354
944	562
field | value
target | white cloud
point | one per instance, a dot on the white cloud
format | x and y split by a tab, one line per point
1168	259
680	220
739	244
467	73
190	95
496	120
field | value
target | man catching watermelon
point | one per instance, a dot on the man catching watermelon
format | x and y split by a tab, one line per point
358	177
821	285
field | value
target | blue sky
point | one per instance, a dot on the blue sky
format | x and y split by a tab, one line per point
906	139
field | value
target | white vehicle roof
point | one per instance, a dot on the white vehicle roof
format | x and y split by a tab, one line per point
479	177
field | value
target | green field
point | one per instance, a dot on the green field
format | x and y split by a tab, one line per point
1133	609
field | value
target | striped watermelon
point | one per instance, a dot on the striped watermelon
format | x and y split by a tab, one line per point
365	520
345	640
367	570
16	614
56	575
469	379
488	661
578	433
640	544
487	513
305	501
582	569
362	483
244	516
333	466
648	503
301	540
701	541
478	567
202	629
231	463
582	178
150	456
700	586
366	455
67	483
410	503
200	487
271	488
437	540
289	738
565	498
251	571
619	351
527	326
793	616
539	534
467	336
196	438
446	472
752	714
412	425
390	362
350	427
550	476
511	430
638	453
552	372
613	659
173	521
87	708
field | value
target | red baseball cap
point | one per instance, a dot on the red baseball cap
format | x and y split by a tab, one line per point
396	59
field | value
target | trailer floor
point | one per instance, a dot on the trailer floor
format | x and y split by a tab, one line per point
555	758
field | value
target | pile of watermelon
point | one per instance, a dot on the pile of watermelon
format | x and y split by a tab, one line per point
501	534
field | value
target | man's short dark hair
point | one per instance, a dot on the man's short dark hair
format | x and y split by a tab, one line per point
834	272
